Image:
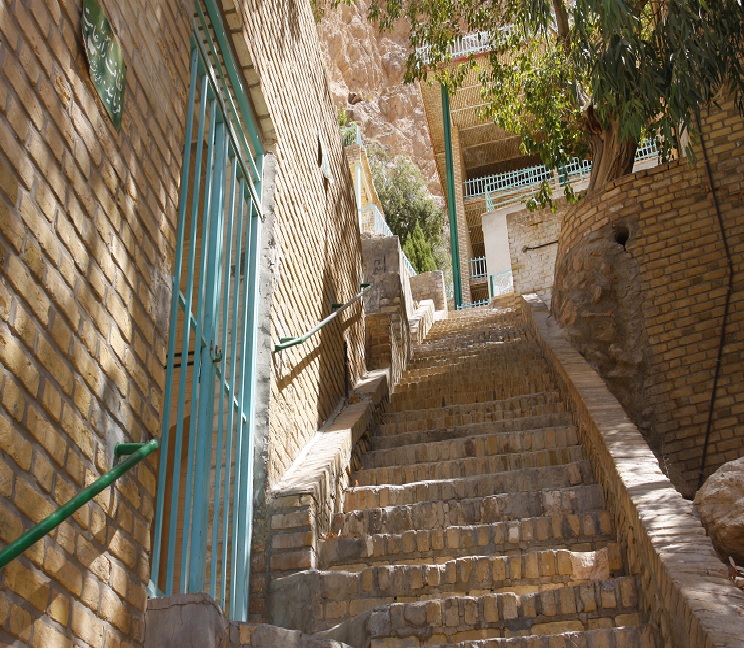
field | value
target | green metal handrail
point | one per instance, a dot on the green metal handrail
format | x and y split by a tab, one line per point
136	452
286	343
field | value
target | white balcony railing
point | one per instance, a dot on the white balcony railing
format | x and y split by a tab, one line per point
478	268
506	188
469	44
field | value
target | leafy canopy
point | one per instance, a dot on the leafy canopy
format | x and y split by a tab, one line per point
566	70
409	208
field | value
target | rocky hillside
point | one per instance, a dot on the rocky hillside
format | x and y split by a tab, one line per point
365	70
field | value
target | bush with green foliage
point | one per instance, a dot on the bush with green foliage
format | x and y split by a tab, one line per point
410	210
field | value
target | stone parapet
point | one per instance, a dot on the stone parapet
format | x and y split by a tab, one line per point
430	285
684	586
304	502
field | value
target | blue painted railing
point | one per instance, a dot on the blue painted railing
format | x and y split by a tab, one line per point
203	513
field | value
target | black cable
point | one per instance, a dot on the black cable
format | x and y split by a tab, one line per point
729	290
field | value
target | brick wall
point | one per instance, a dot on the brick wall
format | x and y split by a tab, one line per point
533	244
671	298
316	255
318	249
87	229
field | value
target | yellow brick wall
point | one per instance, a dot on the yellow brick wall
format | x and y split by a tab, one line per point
317	249
676	241
533	244
317	234
87	219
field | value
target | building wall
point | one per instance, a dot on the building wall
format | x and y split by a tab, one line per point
648	311
533	244
316	252
318	258
87	230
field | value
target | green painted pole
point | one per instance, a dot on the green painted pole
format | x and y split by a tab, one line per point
17	547
451	200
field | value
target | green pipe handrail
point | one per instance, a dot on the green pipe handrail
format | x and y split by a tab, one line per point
135	452
286	343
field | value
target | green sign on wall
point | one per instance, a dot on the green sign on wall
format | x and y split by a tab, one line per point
107	68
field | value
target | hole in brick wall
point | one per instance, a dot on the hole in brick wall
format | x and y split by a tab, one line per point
621	234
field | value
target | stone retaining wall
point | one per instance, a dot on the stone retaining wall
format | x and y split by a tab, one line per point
641	282
684	585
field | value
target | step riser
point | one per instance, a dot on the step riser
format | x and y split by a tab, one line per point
474	446
482	510
446	418
624	637
465	467
443	433
447	619
447	397
494	539
613	602
369	497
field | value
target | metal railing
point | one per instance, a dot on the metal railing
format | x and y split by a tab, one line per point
373	221
351	135
474	304
505	188
203	509
286	343
501	283
469	44
135	452
408	265
478	268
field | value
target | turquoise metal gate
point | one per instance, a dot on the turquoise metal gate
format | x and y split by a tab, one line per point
202	531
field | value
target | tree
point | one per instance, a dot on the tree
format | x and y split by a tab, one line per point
584	77
418	251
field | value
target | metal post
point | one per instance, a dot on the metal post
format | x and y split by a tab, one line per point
451	202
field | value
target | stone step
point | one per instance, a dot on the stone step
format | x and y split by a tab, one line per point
508	426
482	485
590	606
476	391
641	636
485	445
585	532
537	502
452	416
487	358
464	467
338	595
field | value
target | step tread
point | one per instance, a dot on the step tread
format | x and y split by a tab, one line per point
483	539
639	636
457	488
473	445
469	511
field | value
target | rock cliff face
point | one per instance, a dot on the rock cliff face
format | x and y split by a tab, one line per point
365	70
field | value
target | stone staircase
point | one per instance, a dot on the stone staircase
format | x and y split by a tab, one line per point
475	520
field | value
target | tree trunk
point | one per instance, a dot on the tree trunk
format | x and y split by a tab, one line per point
612	158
